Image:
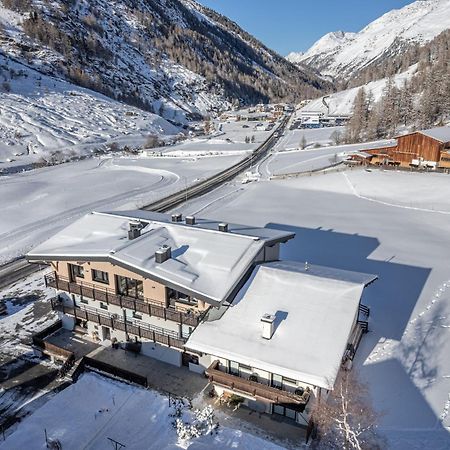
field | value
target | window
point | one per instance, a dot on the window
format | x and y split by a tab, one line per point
234	368
129	287
137	315
100	276
277	381
283	411
181	298
103	306
84	300
245	368
289	382
76	271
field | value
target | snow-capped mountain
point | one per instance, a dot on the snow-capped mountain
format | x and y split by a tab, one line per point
172	57
344	54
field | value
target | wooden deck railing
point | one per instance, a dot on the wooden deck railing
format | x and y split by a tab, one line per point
146	306
136	328
253	388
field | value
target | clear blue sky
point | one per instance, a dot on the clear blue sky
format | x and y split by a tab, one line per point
294	25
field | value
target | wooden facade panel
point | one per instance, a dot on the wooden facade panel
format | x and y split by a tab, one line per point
409	147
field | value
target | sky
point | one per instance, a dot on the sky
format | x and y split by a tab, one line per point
294	25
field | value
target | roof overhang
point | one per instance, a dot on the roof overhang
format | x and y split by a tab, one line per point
115	261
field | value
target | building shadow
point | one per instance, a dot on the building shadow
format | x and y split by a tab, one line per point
398	388
405	414
391	298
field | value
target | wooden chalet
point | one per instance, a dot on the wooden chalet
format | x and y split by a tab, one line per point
426	148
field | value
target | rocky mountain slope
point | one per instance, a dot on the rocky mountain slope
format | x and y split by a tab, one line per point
343	55
172	57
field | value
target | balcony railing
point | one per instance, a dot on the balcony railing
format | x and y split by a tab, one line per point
146	306
134	327
255	389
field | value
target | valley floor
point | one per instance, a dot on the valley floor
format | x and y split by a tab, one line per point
393	224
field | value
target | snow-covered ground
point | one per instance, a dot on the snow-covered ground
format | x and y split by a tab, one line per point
395	225
94	409
287	158
29	311
341	103
292	139
41	115
37	203
229	139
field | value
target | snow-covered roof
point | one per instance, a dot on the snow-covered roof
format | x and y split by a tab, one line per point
441	134
269	235
205	263
315	309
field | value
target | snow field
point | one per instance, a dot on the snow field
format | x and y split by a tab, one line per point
381	223
94	409
37	203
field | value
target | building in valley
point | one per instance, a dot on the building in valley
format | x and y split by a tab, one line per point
281	343
212	296
149	277
426	148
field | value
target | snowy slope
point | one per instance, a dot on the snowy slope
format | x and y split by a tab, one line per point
344	54
329	43
172	57
341	103
40	114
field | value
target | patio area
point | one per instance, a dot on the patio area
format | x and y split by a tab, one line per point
73	342
161	376
274	428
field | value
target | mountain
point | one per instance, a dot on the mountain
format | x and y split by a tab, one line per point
172	57
295	57
343	55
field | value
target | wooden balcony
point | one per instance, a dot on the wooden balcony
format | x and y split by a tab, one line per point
255	389
108	296
134	327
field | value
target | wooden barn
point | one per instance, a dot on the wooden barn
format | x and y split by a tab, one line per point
426	148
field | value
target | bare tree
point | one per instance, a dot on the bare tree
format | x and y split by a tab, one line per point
347	420
303	142
152	141
336	137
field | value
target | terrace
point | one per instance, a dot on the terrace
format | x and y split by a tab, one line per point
256	389
147	306
115	322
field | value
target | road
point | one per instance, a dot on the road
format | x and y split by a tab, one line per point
19	269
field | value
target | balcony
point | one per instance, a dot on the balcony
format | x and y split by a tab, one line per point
255	389
109	296
115	322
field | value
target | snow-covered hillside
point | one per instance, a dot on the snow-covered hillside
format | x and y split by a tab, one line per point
343	54
341	103
172	57
40	115
326	44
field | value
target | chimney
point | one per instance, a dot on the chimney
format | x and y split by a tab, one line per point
134	230
190	220
177	217
223	227
268	326
163	254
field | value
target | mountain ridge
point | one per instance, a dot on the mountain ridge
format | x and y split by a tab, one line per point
342	55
